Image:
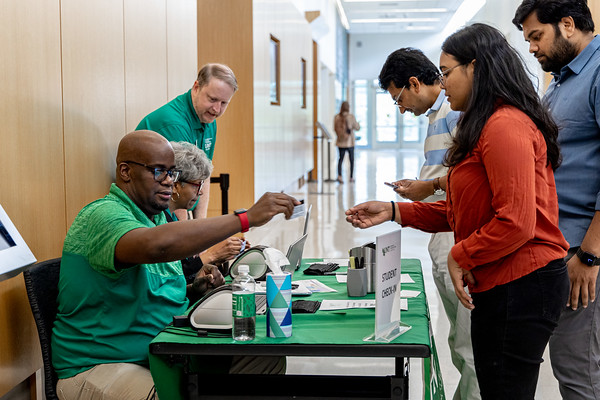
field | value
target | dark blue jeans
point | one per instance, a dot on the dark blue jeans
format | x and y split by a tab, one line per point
510	327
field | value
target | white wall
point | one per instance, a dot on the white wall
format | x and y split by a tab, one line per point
326	41
500	14
368	52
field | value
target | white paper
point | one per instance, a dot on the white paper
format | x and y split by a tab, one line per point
342	278
315	286
329	305
408	294
301	290
405	278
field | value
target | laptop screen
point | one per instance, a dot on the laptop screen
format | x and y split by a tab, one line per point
14	253
294	254
306	219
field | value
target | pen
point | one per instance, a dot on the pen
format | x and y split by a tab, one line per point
334	273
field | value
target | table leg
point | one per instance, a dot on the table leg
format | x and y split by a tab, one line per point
399	382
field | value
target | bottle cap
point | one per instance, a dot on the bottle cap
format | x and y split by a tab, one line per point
243	268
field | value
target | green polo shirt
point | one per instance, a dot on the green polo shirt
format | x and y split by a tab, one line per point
106	315
177	121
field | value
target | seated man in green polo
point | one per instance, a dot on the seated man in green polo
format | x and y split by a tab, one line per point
120	278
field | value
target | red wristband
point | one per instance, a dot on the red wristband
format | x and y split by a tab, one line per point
243	220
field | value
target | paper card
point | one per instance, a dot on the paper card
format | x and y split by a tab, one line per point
329	305
408	294
299	211
315	286
405	278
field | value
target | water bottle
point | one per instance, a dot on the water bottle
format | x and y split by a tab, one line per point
243	305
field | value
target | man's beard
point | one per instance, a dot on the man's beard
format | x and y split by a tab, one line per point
561	53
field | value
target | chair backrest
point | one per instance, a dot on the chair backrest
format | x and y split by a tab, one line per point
41	282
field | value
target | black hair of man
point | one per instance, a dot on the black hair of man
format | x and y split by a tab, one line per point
499	75
404	63
552	11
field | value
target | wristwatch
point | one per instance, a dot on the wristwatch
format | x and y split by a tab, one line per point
241	213
587	258
437	189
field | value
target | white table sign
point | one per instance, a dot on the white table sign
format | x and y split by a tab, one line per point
387	288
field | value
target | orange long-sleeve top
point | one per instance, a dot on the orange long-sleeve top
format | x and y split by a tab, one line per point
501	204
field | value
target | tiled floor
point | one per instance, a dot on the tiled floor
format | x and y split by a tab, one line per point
331	236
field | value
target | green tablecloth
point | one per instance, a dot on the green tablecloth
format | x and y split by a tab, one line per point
343	327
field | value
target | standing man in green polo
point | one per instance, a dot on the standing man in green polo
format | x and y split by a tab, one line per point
191	117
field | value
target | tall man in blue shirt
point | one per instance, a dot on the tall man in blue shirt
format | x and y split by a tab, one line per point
560	36
413	81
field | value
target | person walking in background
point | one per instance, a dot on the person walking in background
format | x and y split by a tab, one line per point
502	206
413	81
561	36
345	124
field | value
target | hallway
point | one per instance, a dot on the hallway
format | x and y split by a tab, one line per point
330	236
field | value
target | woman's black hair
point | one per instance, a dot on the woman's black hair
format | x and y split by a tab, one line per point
499	75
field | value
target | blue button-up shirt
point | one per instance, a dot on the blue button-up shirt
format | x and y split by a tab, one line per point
574	100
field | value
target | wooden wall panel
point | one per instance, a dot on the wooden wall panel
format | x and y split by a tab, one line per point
225	36
182	46
283	134
94	97
145	58
31	114
63	113
32	157
20	354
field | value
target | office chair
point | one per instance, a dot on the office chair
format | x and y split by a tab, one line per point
41	282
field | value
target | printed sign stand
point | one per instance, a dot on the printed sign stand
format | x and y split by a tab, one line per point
388	325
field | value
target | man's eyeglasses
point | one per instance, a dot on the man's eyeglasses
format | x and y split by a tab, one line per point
443	75
160	174
397	98
198	185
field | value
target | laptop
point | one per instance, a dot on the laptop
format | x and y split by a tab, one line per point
15	255
306	219
294	254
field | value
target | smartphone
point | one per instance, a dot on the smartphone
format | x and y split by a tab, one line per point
391	185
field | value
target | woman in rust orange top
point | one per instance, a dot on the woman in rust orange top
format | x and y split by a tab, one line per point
502	207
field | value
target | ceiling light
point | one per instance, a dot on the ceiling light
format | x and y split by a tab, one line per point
342	15
463	14
380	1
379	20
420	28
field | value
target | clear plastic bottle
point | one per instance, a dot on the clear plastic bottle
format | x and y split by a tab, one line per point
243	305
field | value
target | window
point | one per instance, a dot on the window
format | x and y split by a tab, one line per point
275	83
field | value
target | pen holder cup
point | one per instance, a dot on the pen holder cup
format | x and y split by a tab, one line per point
357	282
365	259
279	305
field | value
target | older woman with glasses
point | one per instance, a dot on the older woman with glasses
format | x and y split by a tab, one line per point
502	207
195	170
